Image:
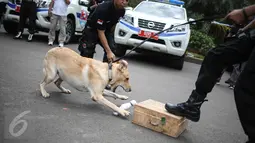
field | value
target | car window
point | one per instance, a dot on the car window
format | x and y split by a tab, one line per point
161	10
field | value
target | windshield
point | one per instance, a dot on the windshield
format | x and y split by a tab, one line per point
161	10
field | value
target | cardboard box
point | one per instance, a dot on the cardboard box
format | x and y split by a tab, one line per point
153	115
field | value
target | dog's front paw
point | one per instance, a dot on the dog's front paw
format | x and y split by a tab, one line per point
67	91
123	97
124	113
45	95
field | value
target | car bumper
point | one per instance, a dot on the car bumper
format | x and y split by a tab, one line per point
127	34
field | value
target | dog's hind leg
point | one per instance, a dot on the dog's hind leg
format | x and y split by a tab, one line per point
58	84
49	75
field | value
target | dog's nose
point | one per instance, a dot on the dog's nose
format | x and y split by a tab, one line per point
129	90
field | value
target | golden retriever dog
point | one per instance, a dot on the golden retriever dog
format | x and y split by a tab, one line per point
85	74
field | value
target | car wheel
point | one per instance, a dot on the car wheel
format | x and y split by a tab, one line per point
177	62
69	30
10	27
120	50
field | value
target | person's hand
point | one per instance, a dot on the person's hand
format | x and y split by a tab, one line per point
110	56
235	16
241	30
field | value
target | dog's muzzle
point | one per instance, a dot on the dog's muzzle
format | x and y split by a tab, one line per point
108	87
125	89
128	90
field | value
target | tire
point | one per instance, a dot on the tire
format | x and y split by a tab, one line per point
120	50
10	27
177	62
70	28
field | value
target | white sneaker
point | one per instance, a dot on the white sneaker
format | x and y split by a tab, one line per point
30	37
61	45
18	36
50	43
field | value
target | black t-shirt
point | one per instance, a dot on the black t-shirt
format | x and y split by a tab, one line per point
105	16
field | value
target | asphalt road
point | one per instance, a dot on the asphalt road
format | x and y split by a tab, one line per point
76	118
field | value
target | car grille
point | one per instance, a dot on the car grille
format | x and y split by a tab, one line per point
144	24
159	41
14	12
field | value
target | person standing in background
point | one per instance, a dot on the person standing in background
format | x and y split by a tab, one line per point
27	10
2	9
58	13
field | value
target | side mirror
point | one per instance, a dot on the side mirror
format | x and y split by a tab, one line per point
84	2
191	19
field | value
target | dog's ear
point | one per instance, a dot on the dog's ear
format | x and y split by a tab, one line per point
123	64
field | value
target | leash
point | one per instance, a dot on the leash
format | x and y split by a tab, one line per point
199	20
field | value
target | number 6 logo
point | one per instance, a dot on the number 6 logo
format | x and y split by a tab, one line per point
16	121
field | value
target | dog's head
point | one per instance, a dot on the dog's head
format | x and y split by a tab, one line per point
120	76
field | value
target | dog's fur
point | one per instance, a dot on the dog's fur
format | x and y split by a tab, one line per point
85	74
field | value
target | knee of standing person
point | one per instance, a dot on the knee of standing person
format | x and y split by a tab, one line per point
86	47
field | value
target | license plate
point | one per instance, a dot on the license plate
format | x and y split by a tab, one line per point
147	34
17	8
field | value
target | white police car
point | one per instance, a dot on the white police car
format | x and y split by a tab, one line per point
150	17
77	17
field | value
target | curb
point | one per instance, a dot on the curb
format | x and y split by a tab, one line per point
193	60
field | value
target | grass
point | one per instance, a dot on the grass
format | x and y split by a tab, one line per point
197	56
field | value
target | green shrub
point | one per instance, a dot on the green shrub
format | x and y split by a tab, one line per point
134	3
200	42
218	32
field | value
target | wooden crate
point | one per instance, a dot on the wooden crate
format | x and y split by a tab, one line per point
153	115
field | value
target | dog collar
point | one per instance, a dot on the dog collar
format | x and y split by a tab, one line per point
108	87
110	71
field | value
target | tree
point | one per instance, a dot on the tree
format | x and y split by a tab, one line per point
214	7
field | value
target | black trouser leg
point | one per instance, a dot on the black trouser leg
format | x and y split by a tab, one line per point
32	17
2	10
23	16
86	48
231	52
245	97
87	43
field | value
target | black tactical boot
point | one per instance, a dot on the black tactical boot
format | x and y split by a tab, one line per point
189	109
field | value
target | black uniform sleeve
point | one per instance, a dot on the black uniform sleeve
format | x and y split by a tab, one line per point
101	17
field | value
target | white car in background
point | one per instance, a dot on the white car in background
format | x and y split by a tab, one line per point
76	17
150	17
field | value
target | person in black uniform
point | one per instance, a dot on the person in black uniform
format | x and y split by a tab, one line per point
234	50
99	29
27	10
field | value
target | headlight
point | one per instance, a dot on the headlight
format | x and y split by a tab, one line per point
129	19
43	4
177	29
